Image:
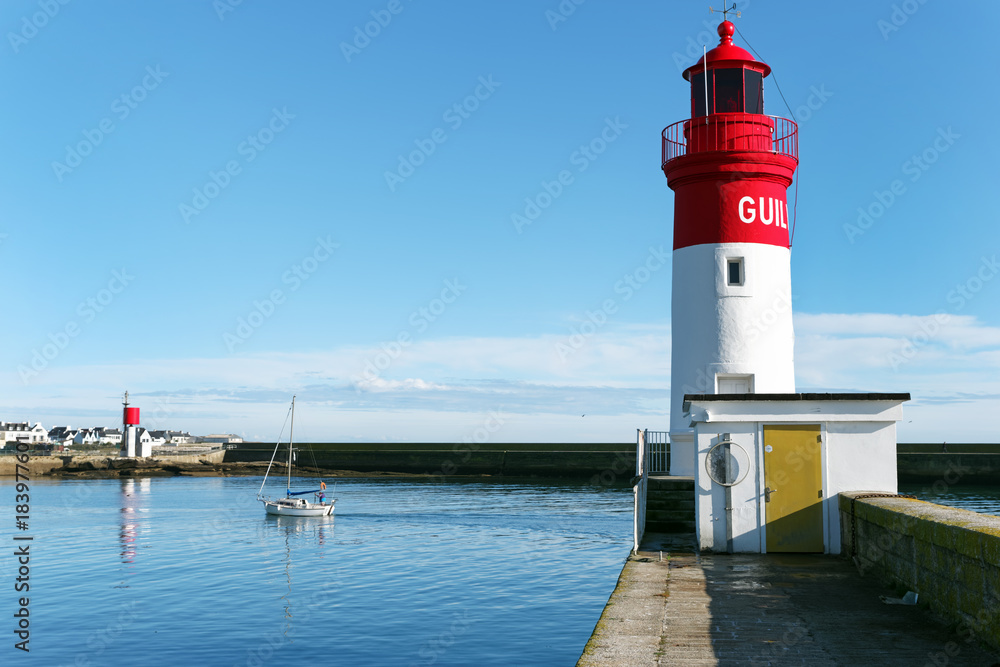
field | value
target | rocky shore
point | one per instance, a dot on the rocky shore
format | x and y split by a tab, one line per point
204	465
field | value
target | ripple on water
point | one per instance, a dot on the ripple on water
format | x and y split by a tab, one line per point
977	498
189	571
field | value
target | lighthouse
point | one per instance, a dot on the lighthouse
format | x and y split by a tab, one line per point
768	463
131	444
729	166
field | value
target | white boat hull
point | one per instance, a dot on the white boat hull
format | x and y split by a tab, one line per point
297	508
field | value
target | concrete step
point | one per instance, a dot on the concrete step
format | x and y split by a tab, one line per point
683	508
672	483
669	504
668	515
652	494
669	526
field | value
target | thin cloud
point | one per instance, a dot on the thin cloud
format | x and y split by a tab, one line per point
617	376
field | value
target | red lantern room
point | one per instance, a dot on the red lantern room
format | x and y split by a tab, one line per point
728	139
131	416
735	79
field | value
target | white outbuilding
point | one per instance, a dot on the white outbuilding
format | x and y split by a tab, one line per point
768	467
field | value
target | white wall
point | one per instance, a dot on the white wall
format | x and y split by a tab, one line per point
718	329
682	453
861	456
129	437
710	498
35	433
857	456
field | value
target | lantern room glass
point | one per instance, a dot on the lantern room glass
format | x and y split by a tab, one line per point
753	91
730	90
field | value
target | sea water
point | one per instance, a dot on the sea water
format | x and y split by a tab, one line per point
190	571
983	498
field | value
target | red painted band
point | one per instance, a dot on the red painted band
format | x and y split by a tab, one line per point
730	211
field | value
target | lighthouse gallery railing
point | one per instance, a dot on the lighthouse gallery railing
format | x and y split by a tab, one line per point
731	132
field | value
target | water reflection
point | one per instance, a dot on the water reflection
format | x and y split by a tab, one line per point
302	532
133	499
391	579
132	523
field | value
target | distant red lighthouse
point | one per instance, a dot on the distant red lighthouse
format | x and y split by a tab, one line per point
131	442
729	166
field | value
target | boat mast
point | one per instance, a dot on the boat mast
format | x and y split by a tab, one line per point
291	437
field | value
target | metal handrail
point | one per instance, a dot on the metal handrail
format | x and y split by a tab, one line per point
722	132
657	451
652	454
639	491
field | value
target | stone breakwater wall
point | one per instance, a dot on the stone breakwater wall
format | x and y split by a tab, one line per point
607	463
601	463
948	468
950	557
948	463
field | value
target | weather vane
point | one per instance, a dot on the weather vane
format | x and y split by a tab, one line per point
725	11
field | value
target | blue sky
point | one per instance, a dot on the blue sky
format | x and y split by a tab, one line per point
215	205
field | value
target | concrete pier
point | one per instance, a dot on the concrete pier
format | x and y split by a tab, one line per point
757	609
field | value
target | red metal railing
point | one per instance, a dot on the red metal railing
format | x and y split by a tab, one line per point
731	132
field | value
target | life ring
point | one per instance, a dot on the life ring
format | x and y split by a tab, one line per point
322	486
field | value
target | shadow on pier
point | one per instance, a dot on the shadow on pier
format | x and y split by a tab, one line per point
673	606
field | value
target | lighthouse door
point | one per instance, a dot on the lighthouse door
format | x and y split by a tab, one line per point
793	493
734	384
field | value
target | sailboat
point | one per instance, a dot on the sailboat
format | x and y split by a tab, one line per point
293	504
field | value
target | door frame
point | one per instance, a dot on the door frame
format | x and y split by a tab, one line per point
823	457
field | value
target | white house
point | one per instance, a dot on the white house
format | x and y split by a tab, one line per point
111	436
97	436
22	432
171	437
62	435
178	437
87	436
221	438
149	438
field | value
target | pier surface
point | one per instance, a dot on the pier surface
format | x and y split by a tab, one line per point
777	609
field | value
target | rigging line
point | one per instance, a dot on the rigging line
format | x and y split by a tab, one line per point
274	453
774	77
795	210
312	455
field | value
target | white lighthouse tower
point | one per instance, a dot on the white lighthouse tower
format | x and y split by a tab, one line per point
729	165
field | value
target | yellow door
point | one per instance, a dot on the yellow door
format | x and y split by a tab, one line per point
793	494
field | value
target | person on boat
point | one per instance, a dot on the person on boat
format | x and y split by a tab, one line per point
321	495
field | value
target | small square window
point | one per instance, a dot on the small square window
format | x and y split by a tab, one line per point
734	271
